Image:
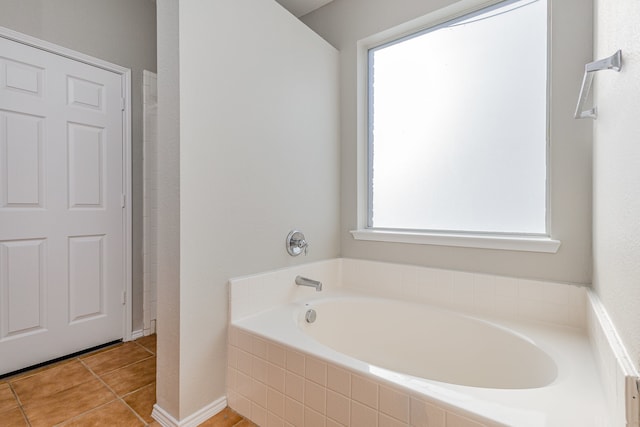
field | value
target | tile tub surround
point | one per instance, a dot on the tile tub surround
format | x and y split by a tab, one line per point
269	351
499	296
619	376
543	303
252	294
275	385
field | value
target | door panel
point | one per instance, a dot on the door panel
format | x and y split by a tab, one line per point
62	268
86	157
22	287
86	277
21	77
21	152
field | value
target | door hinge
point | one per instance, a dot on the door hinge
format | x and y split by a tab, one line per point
123	200
123	103
124	297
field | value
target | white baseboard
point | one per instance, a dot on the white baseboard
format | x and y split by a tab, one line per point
137	334
166	420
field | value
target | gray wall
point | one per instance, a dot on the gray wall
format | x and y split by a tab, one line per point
119	31
344	22
616	208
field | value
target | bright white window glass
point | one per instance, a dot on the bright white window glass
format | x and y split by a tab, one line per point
458	125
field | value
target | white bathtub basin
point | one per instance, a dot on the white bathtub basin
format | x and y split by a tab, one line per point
435	344
504	372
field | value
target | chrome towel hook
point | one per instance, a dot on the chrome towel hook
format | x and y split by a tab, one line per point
614	62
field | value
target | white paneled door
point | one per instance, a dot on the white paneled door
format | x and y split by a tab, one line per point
62	246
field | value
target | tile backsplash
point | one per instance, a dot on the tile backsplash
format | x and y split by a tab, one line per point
252	294
549	302
475	293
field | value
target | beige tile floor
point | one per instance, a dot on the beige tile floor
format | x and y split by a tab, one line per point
114	386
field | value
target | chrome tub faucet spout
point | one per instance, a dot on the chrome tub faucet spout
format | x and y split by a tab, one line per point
303	281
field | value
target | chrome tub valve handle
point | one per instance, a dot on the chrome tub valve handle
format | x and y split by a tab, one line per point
296	243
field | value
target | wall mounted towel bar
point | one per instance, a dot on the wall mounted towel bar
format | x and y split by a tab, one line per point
614	62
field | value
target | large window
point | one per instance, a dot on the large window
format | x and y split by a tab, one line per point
458	125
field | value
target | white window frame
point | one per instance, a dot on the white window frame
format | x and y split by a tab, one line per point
516	242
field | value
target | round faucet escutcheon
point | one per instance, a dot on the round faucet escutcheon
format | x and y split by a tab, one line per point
296	243
310	316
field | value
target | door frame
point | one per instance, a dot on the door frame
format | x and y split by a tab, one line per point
125	75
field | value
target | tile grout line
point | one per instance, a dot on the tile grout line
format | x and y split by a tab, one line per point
151	354
92	409
63	422
116	348
148	349
123	366
24	414
144	422
37	369
25	375
134	391
100	379
20	404
126	366
14	394
118	397
129	406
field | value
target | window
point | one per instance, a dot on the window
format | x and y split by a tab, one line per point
458	125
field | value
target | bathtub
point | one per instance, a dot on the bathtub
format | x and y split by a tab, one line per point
376	361
447	346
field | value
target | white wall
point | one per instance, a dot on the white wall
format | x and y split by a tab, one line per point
168	214
616	207
150	208
259	156
344	22
118	31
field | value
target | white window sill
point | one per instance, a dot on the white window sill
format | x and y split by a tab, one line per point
510	243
